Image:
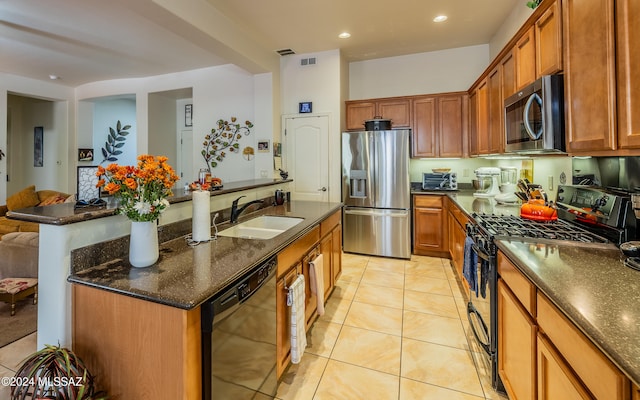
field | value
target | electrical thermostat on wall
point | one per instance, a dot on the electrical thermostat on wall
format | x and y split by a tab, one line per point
304	107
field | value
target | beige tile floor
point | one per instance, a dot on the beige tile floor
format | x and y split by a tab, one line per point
393	329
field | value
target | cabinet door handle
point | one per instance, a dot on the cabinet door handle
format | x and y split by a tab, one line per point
322	189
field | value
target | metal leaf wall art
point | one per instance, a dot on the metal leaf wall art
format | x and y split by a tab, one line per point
115	141
222	139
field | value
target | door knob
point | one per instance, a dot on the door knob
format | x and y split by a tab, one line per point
324	189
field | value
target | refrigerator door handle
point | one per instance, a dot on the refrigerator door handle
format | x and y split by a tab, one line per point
392	214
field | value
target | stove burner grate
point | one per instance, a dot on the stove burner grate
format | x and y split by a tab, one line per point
509	225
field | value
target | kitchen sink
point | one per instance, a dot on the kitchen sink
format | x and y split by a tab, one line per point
263	227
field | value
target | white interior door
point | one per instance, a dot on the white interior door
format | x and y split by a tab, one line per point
186	158
306	153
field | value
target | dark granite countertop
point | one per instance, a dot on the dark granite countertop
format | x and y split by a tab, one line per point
63	214
185	276
593	288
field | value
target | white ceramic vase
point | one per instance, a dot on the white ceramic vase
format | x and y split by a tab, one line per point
143	244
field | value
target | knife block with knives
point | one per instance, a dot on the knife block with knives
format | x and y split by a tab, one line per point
537	205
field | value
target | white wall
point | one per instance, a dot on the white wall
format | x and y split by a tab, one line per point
433	72
511	25
320	84
218	93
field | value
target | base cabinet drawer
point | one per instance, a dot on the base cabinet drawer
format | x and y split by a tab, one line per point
599	375
555	379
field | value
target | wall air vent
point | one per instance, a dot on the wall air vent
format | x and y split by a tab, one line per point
307	61
285	52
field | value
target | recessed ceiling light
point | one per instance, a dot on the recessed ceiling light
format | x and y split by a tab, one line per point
344	35
54	77
440	18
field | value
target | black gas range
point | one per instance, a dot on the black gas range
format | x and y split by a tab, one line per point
587	215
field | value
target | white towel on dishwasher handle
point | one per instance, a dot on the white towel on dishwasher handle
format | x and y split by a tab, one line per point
316	281
295	299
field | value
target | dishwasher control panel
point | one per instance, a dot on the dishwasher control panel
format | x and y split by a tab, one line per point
255	279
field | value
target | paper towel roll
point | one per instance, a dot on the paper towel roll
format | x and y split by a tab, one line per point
201	219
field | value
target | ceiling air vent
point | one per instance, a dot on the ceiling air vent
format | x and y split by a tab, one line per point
285	52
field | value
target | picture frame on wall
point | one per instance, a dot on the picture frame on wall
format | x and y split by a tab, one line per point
188	115
87	181
85	154
38	146
263	146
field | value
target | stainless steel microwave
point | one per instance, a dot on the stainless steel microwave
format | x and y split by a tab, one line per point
534	117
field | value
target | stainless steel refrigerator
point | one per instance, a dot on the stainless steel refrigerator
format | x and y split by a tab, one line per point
376	193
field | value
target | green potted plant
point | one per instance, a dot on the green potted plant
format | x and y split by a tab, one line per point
533	4
54	373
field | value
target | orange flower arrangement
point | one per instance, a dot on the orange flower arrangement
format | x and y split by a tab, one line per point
142	190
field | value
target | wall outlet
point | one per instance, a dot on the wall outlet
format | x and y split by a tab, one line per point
263	173
550	183
465	173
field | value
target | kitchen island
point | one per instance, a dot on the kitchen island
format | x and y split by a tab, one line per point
64	229
145	341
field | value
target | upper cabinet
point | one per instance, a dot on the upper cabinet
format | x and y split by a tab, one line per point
590	75
358	112
398	110
508	65
486	110
439	125
628	63
438	122
548	41
525	51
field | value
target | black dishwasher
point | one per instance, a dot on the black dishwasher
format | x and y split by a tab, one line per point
239	337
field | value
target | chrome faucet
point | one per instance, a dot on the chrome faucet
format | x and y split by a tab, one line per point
235	211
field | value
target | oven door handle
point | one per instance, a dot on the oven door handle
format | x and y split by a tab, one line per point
471	309
481	253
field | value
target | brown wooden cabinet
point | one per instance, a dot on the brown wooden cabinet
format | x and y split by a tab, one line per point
439	125
516	331
548	41
137	349
508	66
543	355
525	53
555	378
590	75
429	225
452	125
397	109
628	67
481	124
473	123
496	111
423	131
457	221
594	370
358	112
